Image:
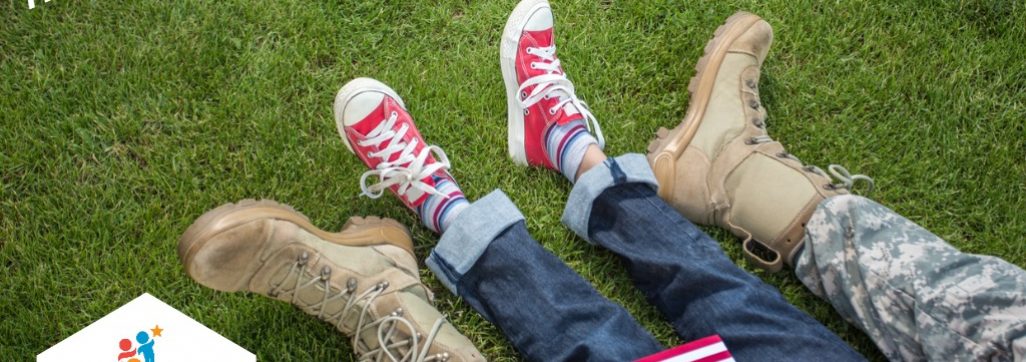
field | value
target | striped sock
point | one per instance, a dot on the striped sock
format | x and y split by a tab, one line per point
437	212
565	146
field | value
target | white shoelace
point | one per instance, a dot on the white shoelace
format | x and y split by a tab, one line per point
555	84
409	177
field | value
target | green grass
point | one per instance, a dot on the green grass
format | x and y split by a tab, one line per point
122	121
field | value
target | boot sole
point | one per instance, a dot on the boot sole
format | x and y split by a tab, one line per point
230	215
700	87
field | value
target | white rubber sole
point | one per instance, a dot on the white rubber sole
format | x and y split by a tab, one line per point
352	89
507	61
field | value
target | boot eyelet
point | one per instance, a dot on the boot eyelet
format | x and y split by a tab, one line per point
750	83
783	155
757	122
534	66
753	104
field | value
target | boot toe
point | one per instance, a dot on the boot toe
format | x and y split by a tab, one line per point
755	41
227	260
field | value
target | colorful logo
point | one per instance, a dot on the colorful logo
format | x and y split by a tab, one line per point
131	353
120	337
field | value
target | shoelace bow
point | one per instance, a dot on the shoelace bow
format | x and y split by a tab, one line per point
386	326
555	84
407	170
837	172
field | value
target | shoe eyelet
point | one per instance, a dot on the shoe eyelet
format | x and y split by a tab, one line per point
534	66
527	111
523	94
552	111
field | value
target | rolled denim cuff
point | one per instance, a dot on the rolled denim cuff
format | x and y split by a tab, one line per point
470	235
629	168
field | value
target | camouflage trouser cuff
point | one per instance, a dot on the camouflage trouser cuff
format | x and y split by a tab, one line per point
915	295
629	168
470	235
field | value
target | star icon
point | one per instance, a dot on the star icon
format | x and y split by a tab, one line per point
156	330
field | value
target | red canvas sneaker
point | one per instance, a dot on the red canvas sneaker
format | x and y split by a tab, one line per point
375	125
538	92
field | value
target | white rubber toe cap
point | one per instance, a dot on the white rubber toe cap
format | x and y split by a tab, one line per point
541	19
361	105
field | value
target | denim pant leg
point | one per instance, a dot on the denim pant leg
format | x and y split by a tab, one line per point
915	295
685	274
543	307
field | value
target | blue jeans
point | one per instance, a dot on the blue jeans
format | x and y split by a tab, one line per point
550	313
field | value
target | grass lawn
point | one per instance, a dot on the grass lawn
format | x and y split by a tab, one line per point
123	121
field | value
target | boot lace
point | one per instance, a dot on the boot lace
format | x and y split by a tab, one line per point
839	176
408	170
390	343
555	84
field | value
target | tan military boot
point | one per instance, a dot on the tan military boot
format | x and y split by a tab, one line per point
363	279
720	167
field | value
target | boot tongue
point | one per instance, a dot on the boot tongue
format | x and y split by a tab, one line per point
416	309
419	311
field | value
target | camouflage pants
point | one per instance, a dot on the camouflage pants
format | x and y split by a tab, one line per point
916	296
